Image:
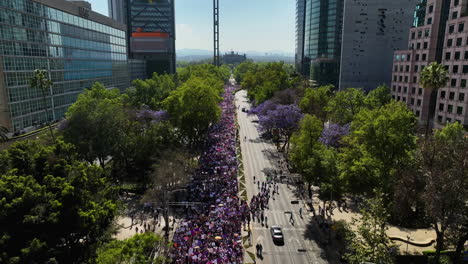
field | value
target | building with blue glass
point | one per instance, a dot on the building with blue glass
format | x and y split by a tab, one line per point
77	47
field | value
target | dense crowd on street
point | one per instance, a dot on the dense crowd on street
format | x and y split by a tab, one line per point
212	231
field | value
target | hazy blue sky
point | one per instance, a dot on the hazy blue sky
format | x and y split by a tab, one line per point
260	25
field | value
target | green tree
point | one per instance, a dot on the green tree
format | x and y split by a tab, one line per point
443	161
303	154
41	82
56	215
242	69
370	243
96	123
263	81
151	92
380	141
315	101
345	105
136	249
432	78
378	97
193	107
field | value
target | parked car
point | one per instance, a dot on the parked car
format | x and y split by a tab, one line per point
277	234
243	109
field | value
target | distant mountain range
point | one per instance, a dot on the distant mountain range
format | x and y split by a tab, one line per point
199	54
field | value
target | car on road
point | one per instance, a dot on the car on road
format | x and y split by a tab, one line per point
277	234
243	109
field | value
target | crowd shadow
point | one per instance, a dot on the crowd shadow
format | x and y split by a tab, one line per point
271	155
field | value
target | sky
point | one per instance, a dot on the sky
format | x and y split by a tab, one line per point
245	25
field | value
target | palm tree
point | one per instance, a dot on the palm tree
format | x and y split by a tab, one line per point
41	82
432	78
3	132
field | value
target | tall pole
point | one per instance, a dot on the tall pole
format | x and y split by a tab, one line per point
216	32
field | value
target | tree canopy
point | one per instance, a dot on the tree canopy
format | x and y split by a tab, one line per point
54	208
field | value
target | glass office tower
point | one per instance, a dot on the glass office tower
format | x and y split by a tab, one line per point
77	46
300	27
322	45
151	31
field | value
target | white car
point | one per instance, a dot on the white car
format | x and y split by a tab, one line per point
277	234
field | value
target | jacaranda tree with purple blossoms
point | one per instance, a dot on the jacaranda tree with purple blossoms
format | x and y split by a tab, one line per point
282	118
332	135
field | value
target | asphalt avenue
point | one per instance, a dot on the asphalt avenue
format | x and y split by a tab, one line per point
260	157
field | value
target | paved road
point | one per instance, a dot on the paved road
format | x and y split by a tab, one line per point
259	156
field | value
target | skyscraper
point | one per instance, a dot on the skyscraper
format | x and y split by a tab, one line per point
77	47
349	43
439	33
322	40
372	31
300	31
151	31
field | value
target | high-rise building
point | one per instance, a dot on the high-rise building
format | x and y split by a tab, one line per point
372	31
77	46
322	40
151	31
439	34
349	43
300	33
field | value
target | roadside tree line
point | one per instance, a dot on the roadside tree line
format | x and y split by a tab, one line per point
363	144
59	201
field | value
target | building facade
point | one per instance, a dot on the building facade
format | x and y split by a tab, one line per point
438	34
151	31
372	31
233	58
77	46
322	40
300	34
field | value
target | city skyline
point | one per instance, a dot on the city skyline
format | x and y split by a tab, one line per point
266	26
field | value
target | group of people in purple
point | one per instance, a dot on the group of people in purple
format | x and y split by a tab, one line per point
211	234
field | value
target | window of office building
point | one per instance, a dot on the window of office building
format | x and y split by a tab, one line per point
418	45
456	2
454	15
413	90
431	9
429	21
418	103
451	95
465	68
442	94
457	55
424	57
450	108
459	110
415	68
412	101
407	68
447	55
453	82
451	29
455	69
441	107
449	42
413	35
461	97
461	27
459	42
463	83
425	45
419	91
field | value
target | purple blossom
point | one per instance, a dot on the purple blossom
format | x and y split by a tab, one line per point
149	115
332	135
263	108
283	117
63	124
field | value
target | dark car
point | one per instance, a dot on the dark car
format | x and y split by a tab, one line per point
277	234
243	109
